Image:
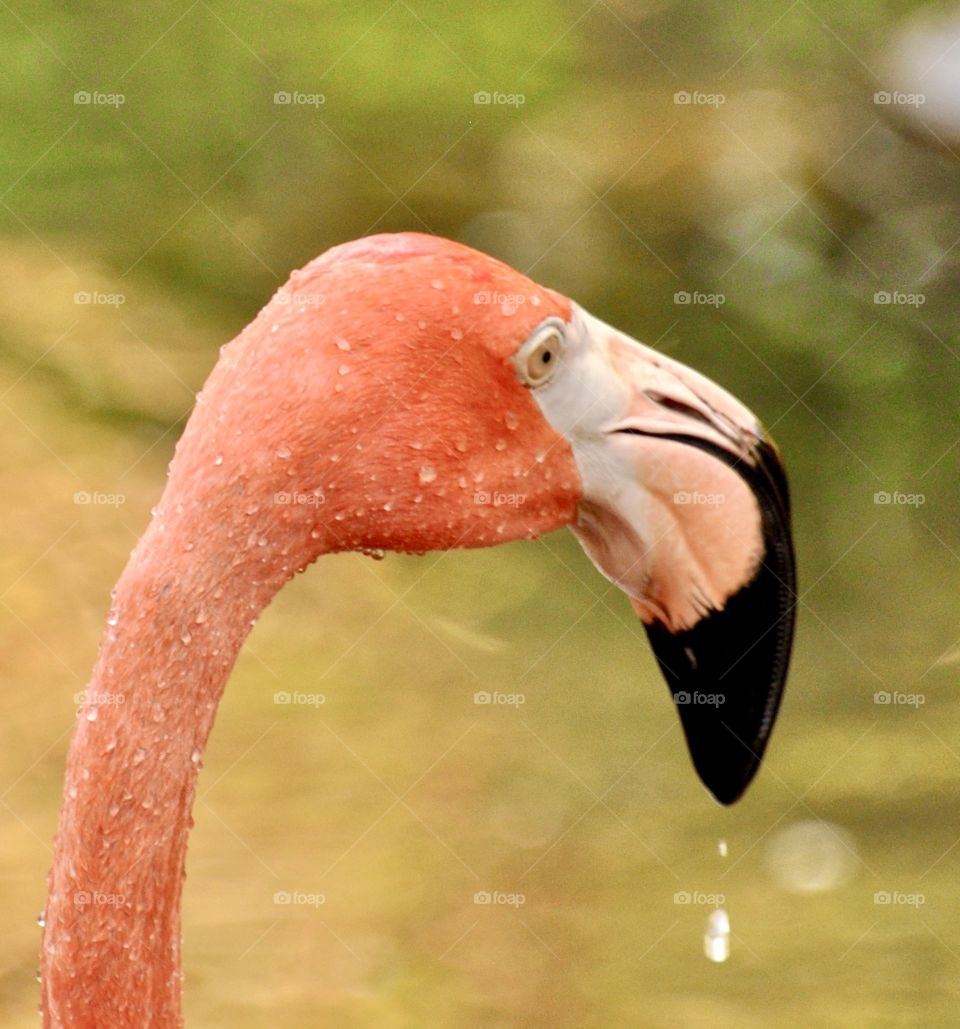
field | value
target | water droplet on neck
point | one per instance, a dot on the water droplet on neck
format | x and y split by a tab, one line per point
342	344
185	636
344	369
716	937
113	617
456	334
139	756
427	473
501	444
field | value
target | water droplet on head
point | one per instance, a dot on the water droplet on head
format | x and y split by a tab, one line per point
252	509
342	344
437	284
218	460
511	420
501	444
456	334
113	617
185	636
92	713
427	473
139	756
283	453
344	369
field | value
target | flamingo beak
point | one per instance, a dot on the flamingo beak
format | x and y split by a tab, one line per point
685	507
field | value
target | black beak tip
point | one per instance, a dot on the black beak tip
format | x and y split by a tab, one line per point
727	672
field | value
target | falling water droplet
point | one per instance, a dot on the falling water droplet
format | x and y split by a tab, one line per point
283	453
42	919
427	473
722	848
716	937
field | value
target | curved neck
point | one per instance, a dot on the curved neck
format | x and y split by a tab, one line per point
181	612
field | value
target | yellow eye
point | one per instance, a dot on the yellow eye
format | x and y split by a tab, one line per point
540	356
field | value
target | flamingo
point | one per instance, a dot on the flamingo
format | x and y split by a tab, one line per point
384	399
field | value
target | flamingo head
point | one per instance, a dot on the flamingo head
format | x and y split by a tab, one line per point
409	393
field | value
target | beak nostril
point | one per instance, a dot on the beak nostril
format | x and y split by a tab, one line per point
679	407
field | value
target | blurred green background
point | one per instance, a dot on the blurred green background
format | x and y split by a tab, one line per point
812	226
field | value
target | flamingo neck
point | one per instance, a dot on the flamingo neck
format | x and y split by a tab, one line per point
181	612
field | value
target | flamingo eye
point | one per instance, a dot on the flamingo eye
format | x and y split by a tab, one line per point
539	356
